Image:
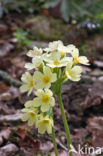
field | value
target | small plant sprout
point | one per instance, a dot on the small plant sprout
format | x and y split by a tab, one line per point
52	66
22	38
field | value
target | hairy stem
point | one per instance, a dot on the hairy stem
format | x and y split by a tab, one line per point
65	121
54	142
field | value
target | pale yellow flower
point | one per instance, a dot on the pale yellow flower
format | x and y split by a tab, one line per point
53	46
55	60
44	100
29	83
44	124
62	50
46	78
35	52
36	63
71	48
29	115
79	59
73	72
29	104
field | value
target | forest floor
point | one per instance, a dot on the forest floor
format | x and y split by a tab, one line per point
83	101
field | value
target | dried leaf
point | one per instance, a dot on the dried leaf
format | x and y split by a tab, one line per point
27	142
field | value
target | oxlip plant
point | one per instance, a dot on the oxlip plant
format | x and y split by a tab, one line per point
53	66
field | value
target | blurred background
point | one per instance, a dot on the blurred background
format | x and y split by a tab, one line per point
25	24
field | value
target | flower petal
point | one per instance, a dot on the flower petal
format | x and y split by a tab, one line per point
52	101
39	92
45	107
29	66
83	60
49	129
26	77
37	102
29	103
37	76
25	117
47	71
24	88
31	121
54	77
75	53
41	128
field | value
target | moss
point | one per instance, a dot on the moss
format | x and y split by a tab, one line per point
42	28
83	48
46	37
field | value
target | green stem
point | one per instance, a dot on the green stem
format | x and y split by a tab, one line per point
54	142
65	121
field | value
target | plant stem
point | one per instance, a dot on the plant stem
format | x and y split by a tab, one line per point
54	142
64	121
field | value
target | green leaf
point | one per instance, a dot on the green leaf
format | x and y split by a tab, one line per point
1	11
65	10
100	16
51	3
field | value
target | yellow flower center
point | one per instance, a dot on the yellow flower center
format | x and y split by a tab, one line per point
65	76
53	51
38	64
70	73
45	99
31	83
46	122
56	63
62	53
32	114
76	60
46	79
38	54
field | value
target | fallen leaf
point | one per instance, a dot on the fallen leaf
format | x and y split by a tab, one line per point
46	147
5	133
3	87
9	150
27	142
5	49
10	118
3	29
98	64
61	153
95	127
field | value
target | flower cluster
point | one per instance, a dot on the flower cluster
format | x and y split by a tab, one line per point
53	65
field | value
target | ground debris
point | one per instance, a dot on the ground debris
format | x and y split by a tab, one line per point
4	135
8	79
94	96
95	127
10	118
9	150
3	29
6	48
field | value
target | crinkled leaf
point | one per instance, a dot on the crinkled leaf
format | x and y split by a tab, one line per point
65	10
52	3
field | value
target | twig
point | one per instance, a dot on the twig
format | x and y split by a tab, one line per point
9	80
11	118
61	145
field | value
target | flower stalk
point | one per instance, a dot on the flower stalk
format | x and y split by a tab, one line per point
54	142
67	131
53	67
